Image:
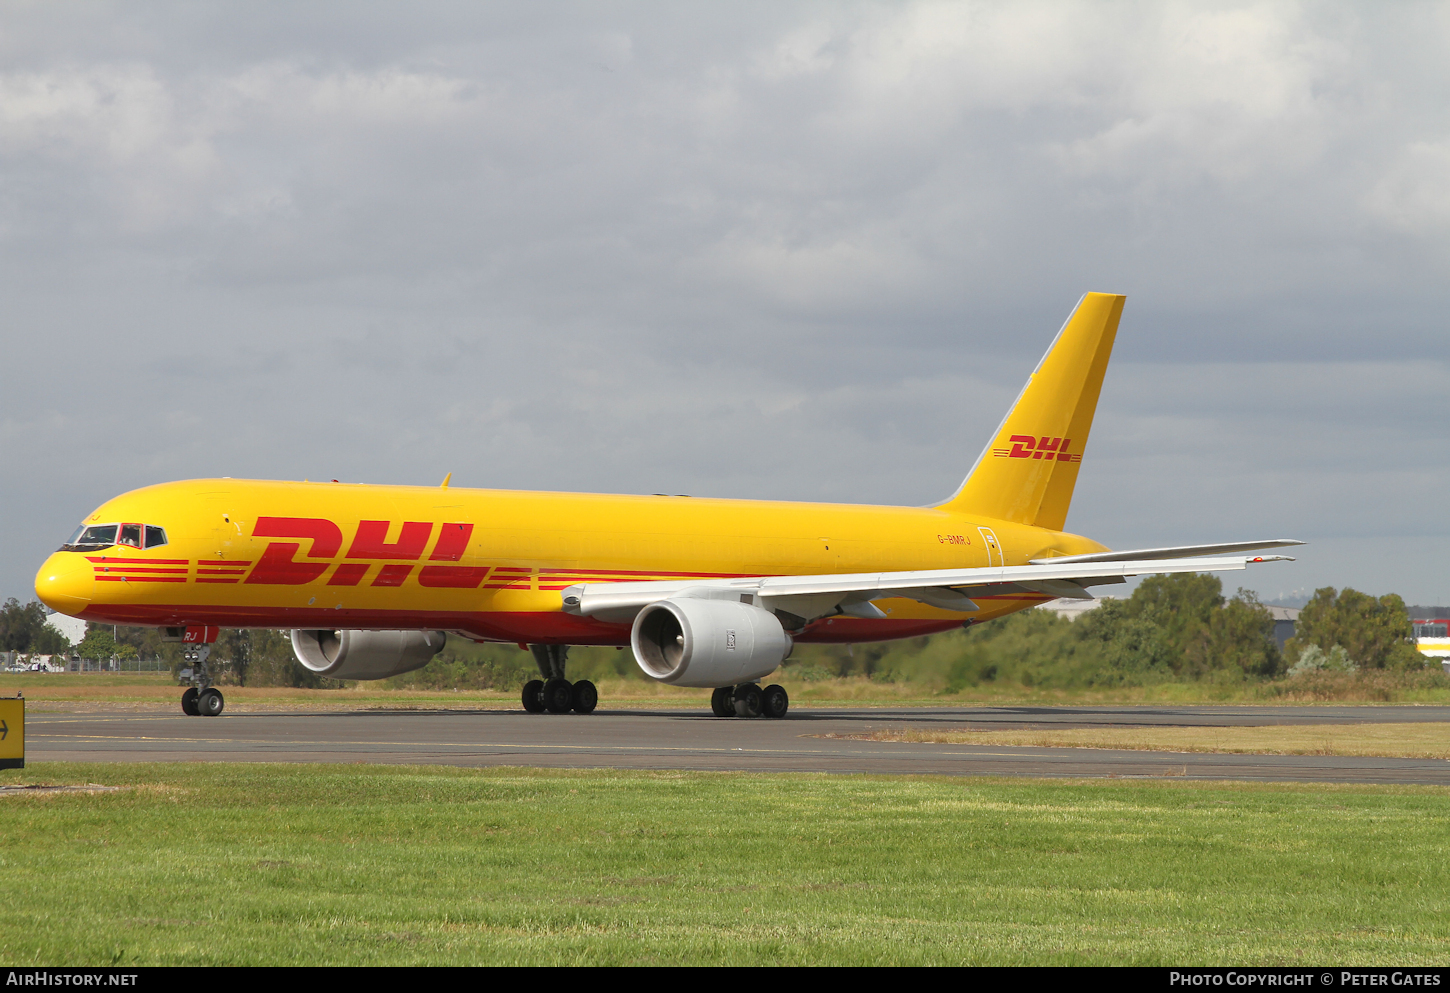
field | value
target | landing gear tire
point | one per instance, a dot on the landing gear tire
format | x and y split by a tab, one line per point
584	697
774	701
747	700
722	702
558	696
209	702
188	702
534	696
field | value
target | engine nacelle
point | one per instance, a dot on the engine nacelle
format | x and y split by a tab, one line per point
707	642
365	654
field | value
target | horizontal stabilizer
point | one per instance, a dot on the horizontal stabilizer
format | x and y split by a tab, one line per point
1174	552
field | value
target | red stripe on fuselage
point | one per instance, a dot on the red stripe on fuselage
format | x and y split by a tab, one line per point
111	559
133	571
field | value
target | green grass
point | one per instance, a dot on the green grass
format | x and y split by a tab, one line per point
365	864
1425	740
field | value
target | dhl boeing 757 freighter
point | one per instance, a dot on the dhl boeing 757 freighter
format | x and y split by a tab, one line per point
372	580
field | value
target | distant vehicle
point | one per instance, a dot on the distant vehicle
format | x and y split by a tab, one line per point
708	593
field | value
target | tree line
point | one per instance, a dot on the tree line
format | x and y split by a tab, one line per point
23	629
1173	628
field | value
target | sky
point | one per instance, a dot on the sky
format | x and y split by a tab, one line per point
804	251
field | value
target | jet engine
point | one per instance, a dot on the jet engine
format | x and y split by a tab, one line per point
689	641
365	654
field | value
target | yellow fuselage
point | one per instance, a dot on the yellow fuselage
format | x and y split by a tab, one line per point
491	563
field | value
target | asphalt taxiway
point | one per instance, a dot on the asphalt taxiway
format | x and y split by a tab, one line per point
691	739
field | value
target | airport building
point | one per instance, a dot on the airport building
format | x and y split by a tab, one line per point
1432	638
1073	609
73	628
1284	620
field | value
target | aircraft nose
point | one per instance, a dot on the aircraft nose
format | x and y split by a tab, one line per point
66	583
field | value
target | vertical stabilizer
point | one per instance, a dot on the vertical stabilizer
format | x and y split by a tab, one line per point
1028	470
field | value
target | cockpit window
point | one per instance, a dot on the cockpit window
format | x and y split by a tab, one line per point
92	538
98	536
101	534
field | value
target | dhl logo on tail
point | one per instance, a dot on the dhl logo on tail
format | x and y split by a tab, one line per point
1026	446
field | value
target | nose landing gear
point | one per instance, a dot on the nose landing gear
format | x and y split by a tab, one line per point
201	699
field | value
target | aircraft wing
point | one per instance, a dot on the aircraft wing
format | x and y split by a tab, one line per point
810	597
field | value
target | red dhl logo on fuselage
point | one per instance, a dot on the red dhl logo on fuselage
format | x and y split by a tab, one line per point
1025	446
278	565
284	563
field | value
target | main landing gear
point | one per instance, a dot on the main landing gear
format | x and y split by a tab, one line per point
554	693
749	700
202	699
